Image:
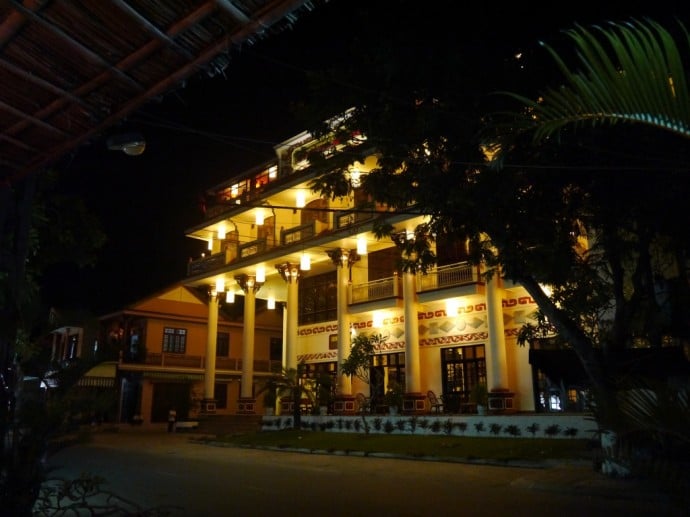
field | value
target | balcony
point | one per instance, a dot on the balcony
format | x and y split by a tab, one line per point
205	264
380	289
194	362
451	275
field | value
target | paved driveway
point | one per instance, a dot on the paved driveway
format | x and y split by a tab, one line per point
154	468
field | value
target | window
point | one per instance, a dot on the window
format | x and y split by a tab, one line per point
318	298
174	340
223	344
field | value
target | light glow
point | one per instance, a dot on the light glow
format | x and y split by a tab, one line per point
230	297
361	245
220	285
305	262
261	274
271	302
300	199
259	216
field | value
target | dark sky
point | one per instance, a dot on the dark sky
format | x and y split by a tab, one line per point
214	128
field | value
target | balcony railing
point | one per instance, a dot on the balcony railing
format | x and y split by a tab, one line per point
205	264
451	275
376	290
249	249
198	362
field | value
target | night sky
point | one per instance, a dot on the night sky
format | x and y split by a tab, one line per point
213	128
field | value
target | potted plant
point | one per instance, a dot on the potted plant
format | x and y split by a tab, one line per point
479	395
394	397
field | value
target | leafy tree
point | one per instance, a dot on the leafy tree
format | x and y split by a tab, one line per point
359	361
38	228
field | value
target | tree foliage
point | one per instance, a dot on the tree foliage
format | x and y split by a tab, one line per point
576	199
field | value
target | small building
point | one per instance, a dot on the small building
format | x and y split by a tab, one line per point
163	354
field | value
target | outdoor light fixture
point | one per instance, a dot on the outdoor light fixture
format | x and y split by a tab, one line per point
305	262
261	274
259	216
221	232
220	285
230	297
132	143
300	199
361	245
271	302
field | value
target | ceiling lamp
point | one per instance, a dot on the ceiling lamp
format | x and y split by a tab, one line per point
230	297
361	245
261	274
305	262
132	143
259	216
300	199
271	303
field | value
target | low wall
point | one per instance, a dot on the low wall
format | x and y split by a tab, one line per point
522	425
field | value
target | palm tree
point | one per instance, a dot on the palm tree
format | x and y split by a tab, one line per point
638	78
290	382
631	73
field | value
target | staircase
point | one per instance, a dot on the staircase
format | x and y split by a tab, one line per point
229	424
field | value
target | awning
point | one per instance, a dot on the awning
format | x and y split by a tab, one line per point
100	376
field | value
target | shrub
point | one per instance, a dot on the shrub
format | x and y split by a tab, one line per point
533	428
448	426
571	432
436	426
479	427
462	427
340	423
377	423
348	424
495	428
357	424
388	427
400	424
552	430
423	423
413	424
512	430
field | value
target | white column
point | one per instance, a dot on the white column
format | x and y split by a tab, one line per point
412	368
291	275
496	362
211	343
344	382
248	340
343	260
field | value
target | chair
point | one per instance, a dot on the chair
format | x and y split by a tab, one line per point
435	403
363	403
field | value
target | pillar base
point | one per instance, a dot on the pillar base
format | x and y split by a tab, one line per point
246	406
414	404
344	405
208	406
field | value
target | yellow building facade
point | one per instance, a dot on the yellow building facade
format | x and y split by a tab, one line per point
269	240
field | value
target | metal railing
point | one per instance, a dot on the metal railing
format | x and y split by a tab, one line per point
376	290
199	362
451	275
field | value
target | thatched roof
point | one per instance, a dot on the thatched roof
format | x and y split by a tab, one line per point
71	70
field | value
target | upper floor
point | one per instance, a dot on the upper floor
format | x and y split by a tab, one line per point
269	216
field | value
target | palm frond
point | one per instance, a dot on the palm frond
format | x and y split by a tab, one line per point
630	73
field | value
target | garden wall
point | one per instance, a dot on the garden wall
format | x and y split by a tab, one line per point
523	425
